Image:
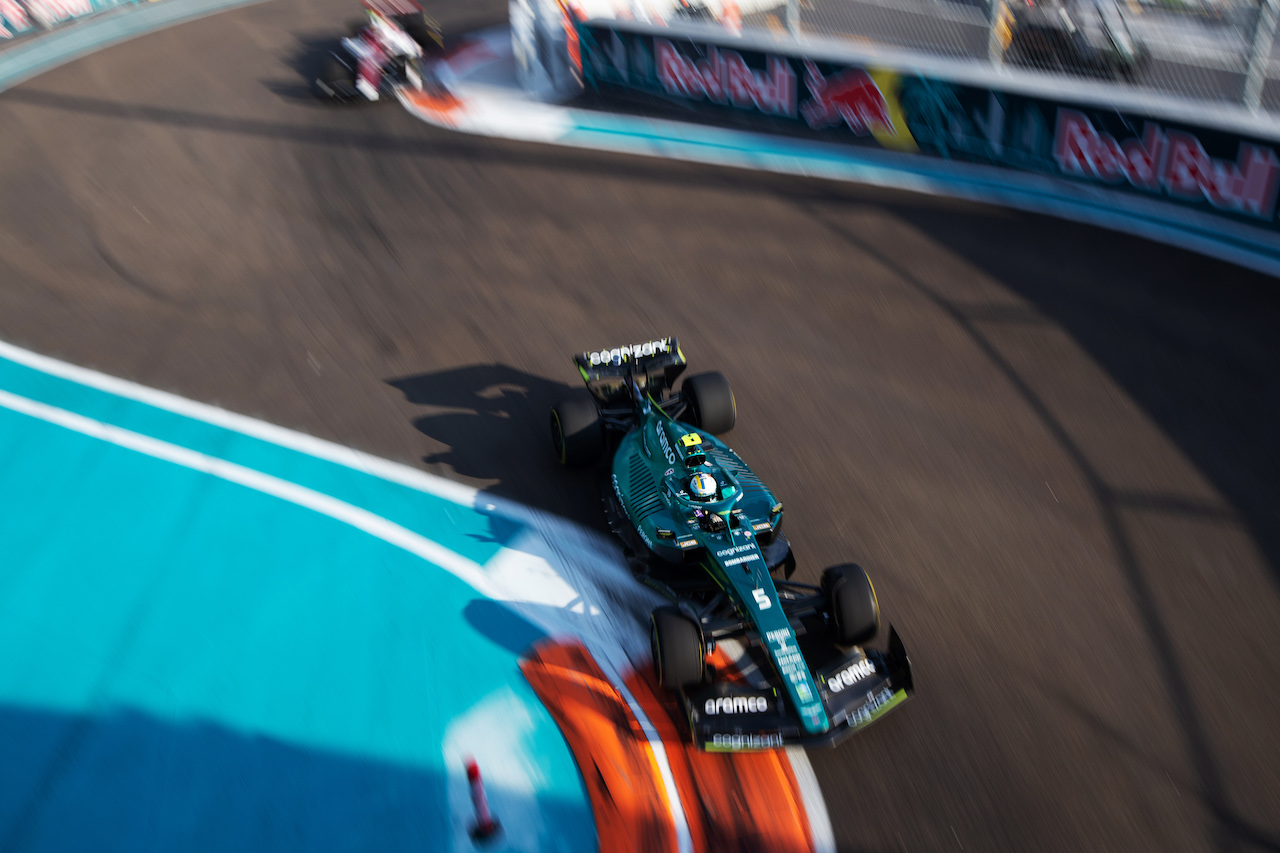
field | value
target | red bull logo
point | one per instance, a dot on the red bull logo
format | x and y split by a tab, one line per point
1171	161
850	96
725	78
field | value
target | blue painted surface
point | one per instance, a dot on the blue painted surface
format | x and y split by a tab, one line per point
192	664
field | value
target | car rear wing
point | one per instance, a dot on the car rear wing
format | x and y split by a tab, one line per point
654	365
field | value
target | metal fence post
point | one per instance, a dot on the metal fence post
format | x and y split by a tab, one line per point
1264	35
793	18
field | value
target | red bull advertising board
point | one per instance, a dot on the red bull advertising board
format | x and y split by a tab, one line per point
29	17
731	82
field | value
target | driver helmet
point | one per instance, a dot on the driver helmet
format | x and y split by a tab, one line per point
702	486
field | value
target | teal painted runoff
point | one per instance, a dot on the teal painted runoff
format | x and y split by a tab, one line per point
471	532
254	667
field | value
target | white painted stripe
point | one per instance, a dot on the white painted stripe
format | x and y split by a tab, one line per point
361	519
824	837
684	838
261	430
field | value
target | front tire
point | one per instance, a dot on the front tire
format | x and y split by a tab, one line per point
576	432
851	599
676	643
711	403
336	81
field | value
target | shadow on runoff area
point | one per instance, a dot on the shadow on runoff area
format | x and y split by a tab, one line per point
1191	340
495	423
502	626
129	781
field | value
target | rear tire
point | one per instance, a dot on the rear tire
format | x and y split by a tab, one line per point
424	31
711	403
576	433
855	612
676	643
336	82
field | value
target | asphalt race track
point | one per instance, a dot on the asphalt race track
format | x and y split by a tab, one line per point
1052	447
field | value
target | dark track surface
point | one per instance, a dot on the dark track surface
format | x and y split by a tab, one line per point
1053	447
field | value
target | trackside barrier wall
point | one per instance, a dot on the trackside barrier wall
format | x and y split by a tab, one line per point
27	57
1205	180
27	17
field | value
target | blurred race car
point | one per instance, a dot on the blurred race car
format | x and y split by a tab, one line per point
385	51
704	531
1085	37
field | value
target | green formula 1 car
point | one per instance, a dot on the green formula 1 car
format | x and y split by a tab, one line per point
704	531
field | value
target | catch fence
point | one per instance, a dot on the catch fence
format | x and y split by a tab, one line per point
1195	49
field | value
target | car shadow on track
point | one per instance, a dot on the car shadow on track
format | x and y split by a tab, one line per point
494	420
308	61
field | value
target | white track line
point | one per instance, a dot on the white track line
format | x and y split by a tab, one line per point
375	525
684	838
307	444
815	807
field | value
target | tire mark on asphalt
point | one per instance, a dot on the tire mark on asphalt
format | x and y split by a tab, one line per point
1228	829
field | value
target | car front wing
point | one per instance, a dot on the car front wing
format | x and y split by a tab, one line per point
856	691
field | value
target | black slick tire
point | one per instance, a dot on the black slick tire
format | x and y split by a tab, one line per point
676	642
711	403
424	31
336	81
576	433
855	612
